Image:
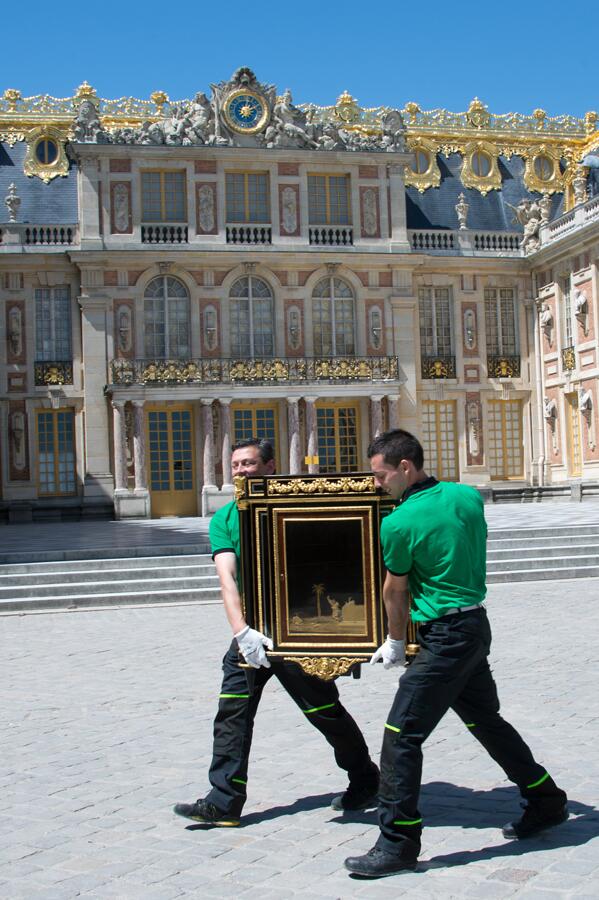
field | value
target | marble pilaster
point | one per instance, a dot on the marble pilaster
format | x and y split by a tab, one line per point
295	456
311	435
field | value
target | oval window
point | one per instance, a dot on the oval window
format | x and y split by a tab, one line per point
422	162
544	168
46	151
481	164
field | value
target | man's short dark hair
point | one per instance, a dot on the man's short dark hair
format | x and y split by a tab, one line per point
396	445
265	448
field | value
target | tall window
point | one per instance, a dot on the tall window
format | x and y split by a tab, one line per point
166	319
247	197
53	324
252	318
255	421
506	451
567	308
439	438
500	322
163	197
337	427
56	452
435	321
333	318
328	200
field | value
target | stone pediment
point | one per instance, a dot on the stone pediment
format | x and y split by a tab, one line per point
244	112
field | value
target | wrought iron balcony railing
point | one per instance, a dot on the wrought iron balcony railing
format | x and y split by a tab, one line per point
302	370
568	359
503	366
438	367
55	372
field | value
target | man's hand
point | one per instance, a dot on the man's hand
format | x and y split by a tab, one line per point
251	645
392	652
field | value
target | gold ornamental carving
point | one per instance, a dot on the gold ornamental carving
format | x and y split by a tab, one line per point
491	181
46	171
431	177
300	486
478	115
324	667
542	169
347	108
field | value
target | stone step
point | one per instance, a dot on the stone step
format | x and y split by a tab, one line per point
546	574
113	586
62	572
98	601
554	552
526	534
201	546
556	540
537	563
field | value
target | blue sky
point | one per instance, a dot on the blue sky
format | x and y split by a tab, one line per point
515	57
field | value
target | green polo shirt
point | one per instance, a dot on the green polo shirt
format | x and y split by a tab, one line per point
438	537
224	531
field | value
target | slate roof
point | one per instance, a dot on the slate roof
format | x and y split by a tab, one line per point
54	203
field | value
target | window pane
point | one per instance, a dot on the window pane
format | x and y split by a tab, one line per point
240	327
339	200
235	190
174	196
317	199
151	206
53	324
258	198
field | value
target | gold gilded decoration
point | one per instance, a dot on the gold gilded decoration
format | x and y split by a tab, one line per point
325	667
347	108
159	98
569	359
12	97
542	169
478	114
259	370
45	170
590	122
540	115
412	110
429	177
312	486
85	92
239	485
11	136
479	168
438	367
53	373
246	111
503	366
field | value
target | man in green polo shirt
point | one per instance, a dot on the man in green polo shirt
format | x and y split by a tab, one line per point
242	688
434	548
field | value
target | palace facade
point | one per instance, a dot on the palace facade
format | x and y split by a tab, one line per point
176	276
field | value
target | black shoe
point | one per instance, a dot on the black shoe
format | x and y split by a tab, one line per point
378	863
360	794
205	812
546	812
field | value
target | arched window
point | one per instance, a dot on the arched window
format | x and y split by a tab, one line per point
252	318
333	318
166	319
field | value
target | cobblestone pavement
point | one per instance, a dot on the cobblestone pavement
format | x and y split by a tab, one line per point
106	721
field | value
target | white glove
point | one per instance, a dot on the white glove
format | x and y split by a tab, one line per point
392	652
251	645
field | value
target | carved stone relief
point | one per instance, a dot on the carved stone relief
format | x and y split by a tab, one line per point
206	208
15	331
18	441
375	327
294	327
369	201
121	222
123	330
474	430
210	327
550	416
289	206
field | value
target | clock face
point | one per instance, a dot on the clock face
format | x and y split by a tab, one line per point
246	112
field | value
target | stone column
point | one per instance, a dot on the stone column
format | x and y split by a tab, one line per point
210	492
120	445
393	406
139	446
295	456
397	196
312	434
406	342
89	215
376	415
98	480
225	426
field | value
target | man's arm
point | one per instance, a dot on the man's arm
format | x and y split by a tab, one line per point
396	598
226	569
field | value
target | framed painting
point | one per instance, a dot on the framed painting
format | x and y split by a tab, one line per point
311	567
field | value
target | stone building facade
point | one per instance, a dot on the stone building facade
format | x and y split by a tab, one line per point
177	276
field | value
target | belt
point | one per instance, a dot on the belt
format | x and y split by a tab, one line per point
462	609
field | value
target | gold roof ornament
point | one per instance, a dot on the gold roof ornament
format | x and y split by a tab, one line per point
159	98
590	122
347	108
12	97
86	92
478	115
412	110
540	115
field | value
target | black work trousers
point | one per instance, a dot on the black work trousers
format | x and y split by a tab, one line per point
451	671
234	724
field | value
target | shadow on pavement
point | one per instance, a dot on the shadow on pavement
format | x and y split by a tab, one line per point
304	804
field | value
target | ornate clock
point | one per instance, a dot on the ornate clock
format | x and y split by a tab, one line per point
246	111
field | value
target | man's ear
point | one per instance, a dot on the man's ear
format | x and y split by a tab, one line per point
270	466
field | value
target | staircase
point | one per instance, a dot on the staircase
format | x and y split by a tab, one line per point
540	554
186	577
